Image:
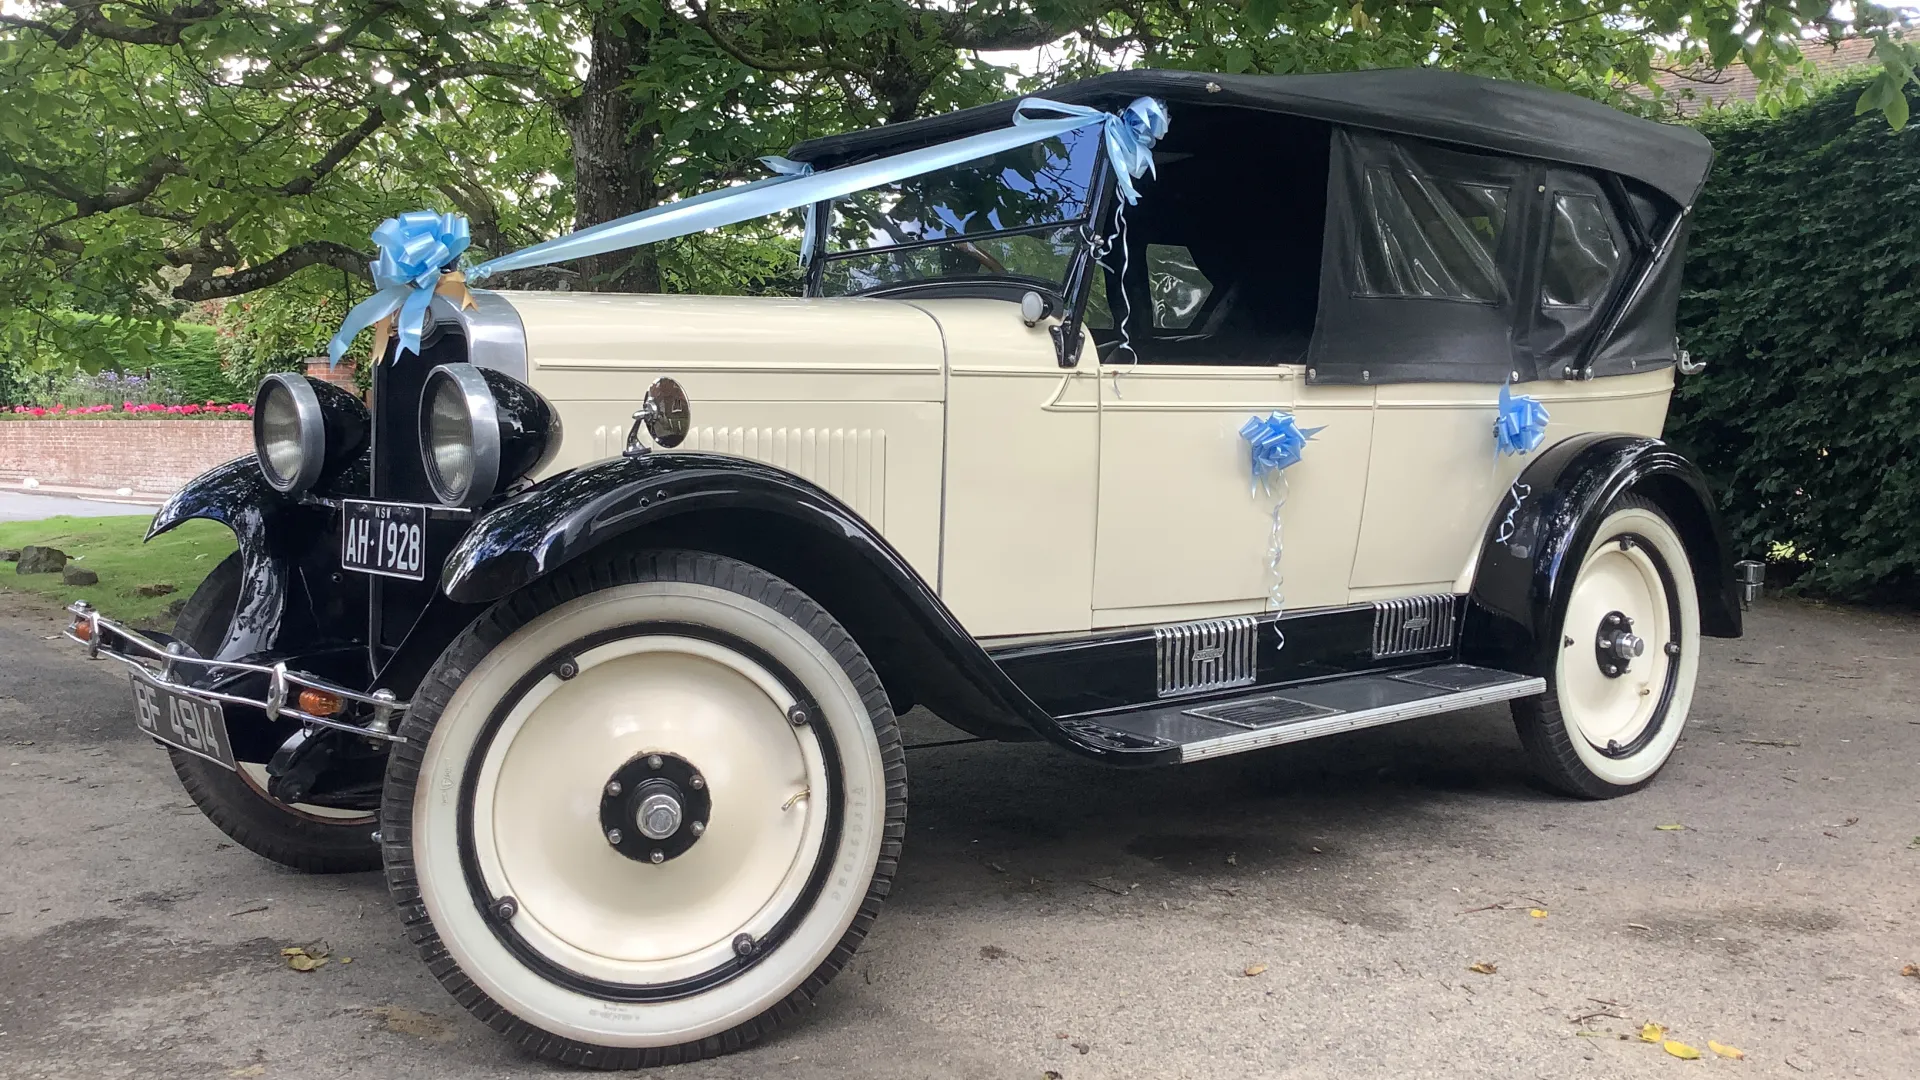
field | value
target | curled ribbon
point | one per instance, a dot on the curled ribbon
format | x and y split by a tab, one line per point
1131	134
1276	443
414	247
1521	424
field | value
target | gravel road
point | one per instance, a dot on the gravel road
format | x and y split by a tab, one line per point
1053	917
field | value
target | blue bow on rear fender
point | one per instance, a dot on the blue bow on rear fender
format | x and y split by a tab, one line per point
413	249
1521	424
1276	443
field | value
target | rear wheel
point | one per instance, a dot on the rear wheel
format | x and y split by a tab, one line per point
1630	648
646	809
315	839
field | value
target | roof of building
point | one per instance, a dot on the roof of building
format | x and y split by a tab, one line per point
1488	114
1703	88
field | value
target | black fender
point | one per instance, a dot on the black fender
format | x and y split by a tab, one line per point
238	496
1524	578
789	527
282	542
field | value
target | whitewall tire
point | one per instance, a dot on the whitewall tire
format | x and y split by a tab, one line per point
1618	696
646	809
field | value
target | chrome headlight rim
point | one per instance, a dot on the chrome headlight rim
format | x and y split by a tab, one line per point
482	435
310	432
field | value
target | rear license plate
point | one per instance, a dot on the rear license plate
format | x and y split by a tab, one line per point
187	723
384	538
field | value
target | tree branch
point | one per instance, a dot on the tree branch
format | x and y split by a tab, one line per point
202	284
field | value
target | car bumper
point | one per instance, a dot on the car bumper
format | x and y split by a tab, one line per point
171	665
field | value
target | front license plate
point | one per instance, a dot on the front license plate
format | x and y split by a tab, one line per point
188	723
384	538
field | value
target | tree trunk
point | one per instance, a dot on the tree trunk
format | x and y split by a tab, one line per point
612	142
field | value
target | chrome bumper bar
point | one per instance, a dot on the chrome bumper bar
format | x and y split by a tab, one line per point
158	664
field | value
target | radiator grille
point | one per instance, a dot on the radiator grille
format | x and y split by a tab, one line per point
1207	655
851	463
1412	624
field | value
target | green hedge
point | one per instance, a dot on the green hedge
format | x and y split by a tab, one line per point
1803	295
187	367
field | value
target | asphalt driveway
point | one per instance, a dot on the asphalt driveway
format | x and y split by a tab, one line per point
1056	918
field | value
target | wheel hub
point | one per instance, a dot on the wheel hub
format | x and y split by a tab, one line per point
654	807
1615	645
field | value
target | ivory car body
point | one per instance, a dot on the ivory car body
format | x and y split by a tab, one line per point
593	625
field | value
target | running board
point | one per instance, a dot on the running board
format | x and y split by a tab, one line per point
1274	716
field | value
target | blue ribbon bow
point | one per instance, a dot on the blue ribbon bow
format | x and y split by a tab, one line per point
413	248
1131	134
1521	425
1276	443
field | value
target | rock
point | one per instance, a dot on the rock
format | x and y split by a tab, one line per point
160	589
78	575
9	554
40	560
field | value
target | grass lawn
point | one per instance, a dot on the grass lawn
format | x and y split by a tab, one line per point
111	547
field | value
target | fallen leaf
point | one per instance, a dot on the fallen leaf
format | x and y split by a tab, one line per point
293	950
1639	926
303	962
346	959
406	1021
318	950
1652	1032
1483	968
1726	1051
1681	1050
993	952
1911	971
1671	828
1538	913
1591	1034
1255	969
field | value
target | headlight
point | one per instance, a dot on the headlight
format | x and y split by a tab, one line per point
480	430
305	430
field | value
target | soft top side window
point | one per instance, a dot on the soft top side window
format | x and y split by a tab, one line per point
1424	237
1582	253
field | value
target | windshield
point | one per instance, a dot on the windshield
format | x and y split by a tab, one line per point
1007	216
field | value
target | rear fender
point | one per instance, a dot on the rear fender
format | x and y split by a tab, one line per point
787	526
1525	573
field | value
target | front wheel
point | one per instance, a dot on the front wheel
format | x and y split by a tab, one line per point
1629	650
645	810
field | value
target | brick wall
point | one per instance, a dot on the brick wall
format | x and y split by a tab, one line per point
146	455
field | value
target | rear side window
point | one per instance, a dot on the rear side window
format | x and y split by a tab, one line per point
1581	254
1423	237
1179	288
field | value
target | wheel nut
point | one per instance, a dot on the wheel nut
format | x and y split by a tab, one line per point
658	855
654	761
797	716
699	828
1673	648
567	669
613	788
697	782
505	908
613	837
744	945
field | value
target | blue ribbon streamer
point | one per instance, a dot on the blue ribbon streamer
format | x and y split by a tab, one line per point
1521	424
1276	443
1129	138
790	167
413	248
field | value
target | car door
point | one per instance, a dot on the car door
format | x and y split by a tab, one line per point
1183	532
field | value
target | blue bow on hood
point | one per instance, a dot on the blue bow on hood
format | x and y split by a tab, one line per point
413	249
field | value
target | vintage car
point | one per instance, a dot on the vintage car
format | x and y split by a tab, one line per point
615	709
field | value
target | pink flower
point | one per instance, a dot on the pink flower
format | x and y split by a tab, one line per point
36	411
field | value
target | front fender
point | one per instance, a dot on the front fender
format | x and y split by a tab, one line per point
787	526
238	496
1523	581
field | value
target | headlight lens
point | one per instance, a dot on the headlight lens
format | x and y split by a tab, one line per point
305	431
480	430
450	441
279	437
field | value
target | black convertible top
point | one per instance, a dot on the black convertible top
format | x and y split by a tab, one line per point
1488	114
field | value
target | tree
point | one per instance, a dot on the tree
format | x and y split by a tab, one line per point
159	152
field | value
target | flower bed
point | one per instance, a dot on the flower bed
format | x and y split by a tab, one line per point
212	410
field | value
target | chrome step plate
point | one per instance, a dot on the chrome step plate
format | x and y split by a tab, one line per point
1275	716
